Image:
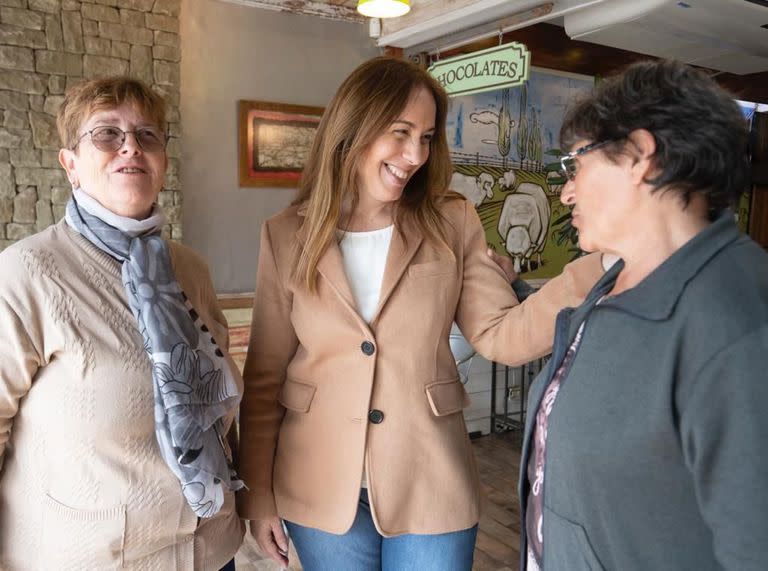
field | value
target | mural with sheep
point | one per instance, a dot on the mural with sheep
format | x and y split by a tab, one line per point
505	152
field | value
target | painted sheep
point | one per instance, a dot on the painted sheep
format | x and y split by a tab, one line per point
507	180
524	223
475	188
518	223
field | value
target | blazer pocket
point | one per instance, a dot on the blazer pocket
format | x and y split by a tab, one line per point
436	268
296	395
447	397
87	539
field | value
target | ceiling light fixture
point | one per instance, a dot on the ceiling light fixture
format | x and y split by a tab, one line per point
383	8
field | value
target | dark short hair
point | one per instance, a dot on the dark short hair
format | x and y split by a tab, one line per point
700	132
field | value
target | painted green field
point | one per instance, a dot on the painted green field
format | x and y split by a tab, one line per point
554	257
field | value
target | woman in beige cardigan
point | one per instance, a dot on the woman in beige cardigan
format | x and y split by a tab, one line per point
352	425
114	396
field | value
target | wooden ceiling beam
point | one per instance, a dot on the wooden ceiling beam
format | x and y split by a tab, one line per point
423	11
306	7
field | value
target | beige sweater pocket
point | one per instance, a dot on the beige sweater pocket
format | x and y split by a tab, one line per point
81	539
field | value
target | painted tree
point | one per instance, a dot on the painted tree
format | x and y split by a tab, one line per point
505	126
534	137
522	126
459	134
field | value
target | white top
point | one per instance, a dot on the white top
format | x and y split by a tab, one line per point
365	256
608	260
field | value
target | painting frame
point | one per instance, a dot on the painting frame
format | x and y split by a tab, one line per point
283	122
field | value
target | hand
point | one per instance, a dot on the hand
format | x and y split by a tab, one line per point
505	263
269	534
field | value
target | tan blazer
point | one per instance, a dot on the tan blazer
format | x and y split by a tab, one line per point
318	377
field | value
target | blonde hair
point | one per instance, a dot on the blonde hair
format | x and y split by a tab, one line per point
365	105
88	97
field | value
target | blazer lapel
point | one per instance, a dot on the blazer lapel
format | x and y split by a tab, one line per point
331	268
401	252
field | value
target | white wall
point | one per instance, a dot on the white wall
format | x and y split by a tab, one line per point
232	52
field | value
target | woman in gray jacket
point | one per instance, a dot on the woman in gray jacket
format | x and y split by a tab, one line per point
643	449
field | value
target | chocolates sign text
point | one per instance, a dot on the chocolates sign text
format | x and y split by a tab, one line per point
486	70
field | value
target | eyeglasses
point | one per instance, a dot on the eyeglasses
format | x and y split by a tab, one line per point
111	139
568	161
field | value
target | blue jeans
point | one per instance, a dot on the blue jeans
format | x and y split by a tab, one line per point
362	548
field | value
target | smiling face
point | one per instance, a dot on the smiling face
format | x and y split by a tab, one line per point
602	197
126	181
396	154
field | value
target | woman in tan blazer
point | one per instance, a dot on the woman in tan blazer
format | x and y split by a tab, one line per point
352	425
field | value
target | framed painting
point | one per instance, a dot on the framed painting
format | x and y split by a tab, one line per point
274	140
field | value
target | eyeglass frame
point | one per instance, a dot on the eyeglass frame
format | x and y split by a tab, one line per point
164	138
568	158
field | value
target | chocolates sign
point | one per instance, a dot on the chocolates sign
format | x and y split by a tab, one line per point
502	66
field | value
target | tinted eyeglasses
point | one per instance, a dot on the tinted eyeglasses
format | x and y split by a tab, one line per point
568	161
111	139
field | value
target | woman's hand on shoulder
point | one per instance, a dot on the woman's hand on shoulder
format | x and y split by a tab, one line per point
270	536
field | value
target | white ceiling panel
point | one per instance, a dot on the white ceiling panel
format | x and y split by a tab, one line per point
722	34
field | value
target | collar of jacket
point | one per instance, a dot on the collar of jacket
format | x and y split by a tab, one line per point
656	296
402	248
301	212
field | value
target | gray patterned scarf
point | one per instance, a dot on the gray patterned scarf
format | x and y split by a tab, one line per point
193	385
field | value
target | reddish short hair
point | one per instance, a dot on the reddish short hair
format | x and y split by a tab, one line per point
88	97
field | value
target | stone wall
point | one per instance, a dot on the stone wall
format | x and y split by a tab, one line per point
46	46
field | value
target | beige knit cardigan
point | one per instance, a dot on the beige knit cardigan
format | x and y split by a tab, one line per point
82	482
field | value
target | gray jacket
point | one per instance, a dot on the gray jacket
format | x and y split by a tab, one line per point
656	445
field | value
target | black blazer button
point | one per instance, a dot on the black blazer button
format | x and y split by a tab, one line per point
367	348
376	416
